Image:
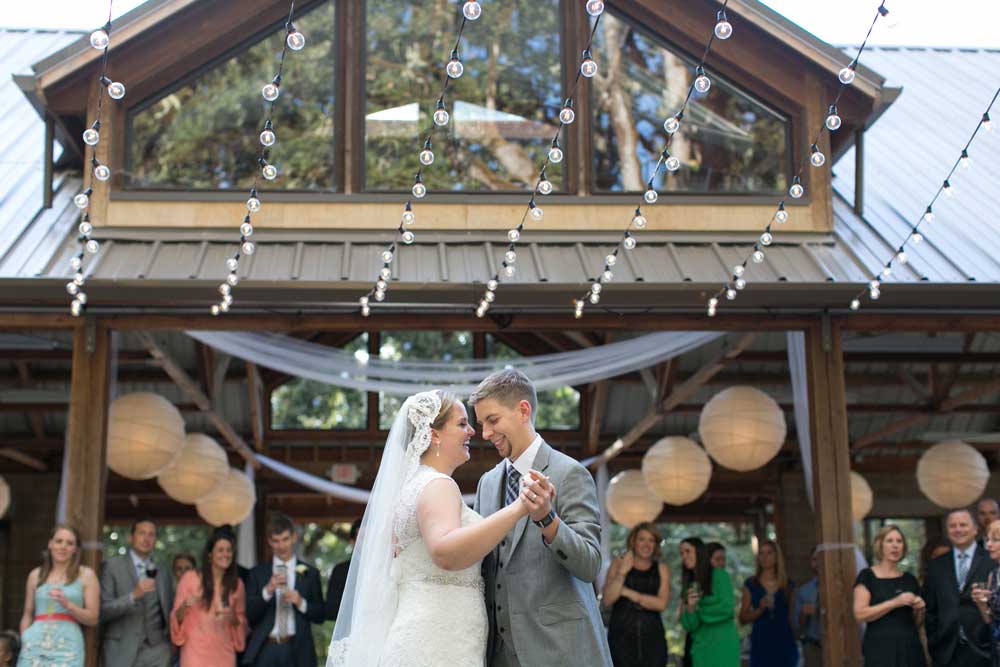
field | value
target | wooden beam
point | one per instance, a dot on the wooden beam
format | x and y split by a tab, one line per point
191	389
682	392
832	494
23	459
24	379
255	392
599	391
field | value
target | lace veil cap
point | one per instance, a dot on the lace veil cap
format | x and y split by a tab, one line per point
421	411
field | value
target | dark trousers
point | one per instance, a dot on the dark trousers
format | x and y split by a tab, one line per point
964	656
275	655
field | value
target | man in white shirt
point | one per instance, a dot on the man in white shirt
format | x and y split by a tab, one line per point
284	596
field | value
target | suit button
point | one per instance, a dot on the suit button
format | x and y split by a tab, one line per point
501	629
561	554
503	543
499	607
499	587
501	565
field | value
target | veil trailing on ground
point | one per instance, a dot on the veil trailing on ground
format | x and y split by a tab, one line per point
368	607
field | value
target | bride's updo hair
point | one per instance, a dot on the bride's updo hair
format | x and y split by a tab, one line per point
418	413
448	401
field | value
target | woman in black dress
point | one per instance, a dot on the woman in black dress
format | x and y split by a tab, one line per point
889	601
638	591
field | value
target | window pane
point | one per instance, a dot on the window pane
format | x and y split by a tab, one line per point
503	109
311	405
204	134
558	409
427	345
728	142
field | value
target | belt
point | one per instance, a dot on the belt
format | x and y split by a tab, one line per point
55	617
280	640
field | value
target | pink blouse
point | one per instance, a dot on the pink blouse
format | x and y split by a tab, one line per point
204	637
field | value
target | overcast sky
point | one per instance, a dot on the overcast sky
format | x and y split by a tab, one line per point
910	22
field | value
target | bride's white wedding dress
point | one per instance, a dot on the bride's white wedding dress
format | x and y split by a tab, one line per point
441	616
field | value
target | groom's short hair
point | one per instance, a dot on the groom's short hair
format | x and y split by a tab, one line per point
509	387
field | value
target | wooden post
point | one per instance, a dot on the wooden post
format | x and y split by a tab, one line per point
86	447
832	493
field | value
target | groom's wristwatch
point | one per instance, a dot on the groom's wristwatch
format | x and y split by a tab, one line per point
547	520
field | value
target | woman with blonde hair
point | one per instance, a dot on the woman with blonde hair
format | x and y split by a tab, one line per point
987	597
638	591
889	601
767	604
61	595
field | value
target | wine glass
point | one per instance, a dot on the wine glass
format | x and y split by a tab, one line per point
151	570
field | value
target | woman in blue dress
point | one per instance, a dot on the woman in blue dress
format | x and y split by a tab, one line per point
61	596
767	604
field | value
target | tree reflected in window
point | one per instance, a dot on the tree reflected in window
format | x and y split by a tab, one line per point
558	409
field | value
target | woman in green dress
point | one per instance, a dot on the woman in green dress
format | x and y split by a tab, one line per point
709	614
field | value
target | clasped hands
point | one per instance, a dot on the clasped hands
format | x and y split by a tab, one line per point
910	600
537	494
289	596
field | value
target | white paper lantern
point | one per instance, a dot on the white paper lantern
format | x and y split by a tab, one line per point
861	497
231	502
145	435
4	497
630	501
676	470
952	474
742	428
197	471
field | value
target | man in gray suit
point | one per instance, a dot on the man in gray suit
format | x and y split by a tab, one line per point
539	580
136	598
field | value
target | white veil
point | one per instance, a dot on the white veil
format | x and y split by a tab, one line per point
368	607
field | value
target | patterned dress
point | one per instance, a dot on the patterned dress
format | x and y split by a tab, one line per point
53	639
994	604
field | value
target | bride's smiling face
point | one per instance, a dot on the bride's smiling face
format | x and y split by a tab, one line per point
450	443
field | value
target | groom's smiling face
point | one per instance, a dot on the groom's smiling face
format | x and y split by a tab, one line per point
506	427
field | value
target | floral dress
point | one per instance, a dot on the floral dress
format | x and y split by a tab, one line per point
54	638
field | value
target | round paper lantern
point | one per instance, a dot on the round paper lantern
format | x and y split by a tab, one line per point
630	501
861	497
742	428
676	470
952	474
197	471
145	435
4	497
231	502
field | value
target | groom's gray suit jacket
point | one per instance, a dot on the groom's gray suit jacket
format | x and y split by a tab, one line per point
551	608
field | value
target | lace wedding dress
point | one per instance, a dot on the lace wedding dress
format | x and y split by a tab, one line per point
441	616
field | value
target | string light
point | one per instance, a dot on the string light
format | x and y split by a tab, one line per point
816	158
271	91
914	236
723	28
566	114
100	39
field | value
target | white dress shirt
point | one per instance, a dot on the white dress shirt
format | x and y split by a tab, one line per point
526	460
971	551
290	573
139	566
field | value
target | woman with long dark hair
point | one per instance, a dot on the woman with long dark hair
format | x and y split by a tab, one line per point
61	596
209	621
767	604
707	611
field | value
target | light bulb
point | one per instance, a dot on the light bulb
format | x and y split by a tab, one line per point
578	310
248	247
629	242
918	238
740	283
253	204
855	304
781	215
489	297
214	310
408	216
267	137
874	284
225	288
75	263
595	7
232	263
730	294
758	256
480	312
441	115
116	90
99	39
385	273
86	228
101	172
72	287
246	229
588	67
509	270
82	298
224	306
672	124
567	115
536	213
611	260
270	172
386	256
949	190
545	186
965	161
928	215
555	154
903	259
639	221
796	191
987	123
270	92
513	235
426	157
92	246
380	285
78	278
738	270
887	271
701	82
673	164
227	299
295	40
379	296
363	301
723	28
233	279
713	302
816	157
91	136
419	190
472	10
510	257
833	121
607	276
454	68
766	239
82	200
596	288
492	285
650	196
874	294
846	75
76	308
408	237
595	298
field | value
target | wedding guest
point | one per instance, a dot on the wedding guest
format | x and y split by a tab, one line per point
807	617
707	613
956	634
766	603
284	599
932	549
987	511
208	621
689	547
338	578
182	563
135	604
889	602
986	594
60	596
716	554
10	646
638	591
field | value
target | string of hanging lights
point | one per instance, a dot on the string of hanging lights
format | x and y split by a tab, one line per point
471	11
701	83
543	186
100	39
814	158
962	163
294	41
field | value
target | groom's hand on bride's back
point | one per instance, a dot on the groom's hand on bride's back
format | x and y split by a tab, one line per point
538	493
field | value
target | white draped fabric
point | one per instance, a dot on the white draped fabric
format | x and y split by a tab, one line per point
246	534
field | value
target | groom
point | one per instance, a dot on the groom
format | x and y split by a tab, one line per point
539	580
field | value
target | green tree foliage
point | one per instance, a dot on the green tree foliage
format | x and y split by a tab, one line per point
558	409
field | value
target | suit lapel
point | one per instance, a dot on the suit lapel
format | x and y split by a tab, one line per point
978	560
952	576
133	576
540	464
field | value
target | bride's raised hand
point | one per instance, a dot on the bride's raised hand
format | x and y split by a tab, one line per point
538	493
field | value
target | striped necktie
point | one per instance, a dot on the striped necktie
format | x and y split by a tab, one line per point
513	485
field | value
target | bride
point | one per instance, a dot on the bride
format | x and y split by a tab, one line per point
414	593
